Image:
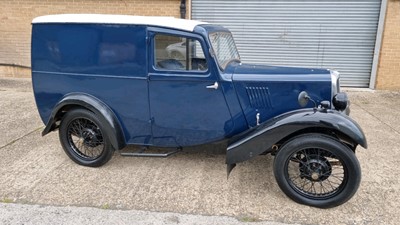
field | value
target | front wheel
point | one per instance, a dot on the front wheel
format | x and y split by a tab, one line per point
317	170
83	138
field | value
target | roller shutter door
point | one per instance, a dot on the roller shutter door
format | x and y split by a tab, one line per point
331	34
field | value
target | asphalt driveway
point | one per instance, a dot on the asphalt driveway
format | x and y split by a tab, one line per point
35	170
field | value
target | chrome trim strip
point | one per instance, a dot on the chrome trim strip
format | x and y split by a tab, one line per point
335	87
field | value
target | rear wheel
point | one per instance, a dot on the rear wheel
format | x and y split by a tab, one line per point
84	139
317	170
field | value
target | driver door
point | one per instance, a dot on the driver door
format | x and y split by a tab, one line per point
187	106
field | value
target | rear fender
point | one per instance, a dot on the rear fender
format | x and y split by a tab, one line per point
106	115
260	139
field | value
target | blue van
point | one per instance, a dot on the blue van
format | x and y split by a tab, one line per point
108	81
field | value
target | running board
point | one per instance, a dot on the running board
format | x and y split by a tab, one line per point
142	153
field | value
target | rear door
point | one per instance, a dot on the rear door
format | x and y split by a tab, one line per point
187	105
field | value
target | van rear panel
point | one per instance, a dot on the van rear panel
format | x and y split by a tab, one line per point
106	61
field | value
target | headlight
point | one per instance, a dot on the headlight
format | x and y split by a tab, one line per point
340	101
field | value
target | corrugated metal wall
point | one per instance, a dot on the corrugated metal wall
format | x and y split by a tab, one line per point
335	34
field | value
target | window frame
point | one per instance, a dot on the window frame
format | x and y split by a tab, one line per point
153	32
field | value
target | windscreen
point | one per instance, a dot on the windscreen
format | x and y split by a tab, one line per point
224	48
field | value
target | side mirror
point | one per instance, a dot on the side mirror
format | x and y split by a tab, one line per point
303	99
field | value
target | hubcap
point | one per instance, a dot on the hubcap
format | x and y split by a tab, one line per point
315	176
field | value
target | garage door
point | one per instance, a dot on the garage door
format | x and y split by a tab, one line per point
335	34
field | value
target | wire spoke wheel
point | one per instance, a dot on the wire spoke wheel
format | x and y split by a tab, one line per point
317	170
316	173
85	138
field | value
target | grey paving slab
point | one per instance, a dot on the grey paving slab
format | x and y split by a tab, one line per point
49	215
18	113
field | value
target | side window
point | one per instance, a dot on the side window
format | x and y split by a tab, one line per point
178	53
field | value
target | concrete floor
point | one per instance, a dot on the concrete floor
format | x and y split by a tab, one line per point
35	170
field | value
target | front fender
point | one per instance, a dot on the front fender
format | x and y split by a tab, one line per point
112	125
261	138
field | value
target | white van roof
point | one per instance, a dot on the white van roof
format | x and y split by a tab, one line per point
161	21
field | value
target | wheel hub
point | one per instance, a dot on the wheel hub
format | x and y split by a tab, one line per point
89	138
315	169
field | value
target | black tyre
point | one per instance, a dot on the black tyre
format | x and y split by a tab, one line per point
84	139
317	170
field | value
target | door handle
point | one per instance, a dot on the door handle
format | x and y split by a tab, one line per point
214	86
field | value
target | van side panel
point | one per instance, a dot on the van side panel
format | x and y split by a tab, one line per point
105	61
